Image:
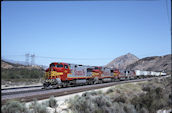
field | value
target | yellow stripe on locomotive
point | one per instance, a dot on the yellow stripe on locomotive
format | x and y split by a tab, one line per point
53	74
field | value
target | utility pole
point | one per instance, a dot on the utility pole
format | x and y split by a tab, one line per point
27	58
32	59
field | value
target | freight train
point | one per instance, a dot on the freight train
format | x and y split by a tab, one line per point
60	74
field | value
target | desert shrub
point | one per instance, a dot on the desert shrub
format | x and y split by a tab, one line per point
91	103
129	108
118	91
14	107
101	101
87	94
52	102
118	108
36	107
123	108
110	91
99	92
155	97
121	98
81	104
153	100
143	110
170	99
91	93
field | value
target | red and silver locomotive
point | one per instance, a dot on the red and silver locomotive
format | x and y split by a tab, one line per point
61	74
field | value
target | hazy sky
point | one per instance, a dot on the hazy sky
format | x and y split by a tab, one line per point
83	32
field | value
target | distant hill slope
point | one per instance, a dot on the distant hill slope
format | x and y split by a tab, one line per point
9	65
122	61
154	63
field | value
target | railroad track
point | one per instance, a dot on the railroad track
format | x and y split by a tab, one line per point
24	87
16	90
26	96
19	91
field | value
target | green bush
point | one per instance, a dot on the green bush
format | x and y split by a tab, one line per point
17	73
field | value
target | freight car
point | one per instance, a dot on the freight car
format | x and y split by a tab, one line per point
61	74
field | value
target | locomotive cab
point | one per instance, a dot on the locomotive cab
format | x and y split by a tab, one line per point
56	70
96	72
55	74
116	73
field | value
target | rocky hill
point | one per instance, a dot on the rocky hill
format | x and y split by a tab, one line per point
6	65
154	63
122	61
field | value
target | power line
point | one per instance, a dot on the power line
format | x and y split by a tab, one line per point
27	58
63	58
32	59
70	58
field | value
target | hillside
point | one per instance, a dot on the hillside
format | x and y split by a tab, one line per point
154	63
9	65
122	61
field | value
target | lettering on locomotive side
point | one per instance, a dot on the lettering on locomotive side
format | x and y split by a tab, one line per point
106	73
79	72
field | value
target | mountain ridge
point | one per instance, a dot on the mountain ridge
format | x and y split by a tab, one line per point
122	61
152	63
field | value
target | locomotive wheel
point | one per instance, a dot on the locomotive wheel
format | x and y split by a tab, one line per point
91	82
63	84
46	85
118	79
126	78
100	81
58	87
95	82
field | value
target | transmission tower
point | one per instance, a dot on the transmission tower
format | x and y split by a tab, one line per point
27	59
32	59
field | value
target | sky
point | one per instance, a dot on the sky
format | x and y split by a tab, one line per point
84	32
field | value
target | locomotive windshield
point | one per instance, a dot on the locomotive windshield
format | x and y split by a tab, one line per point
59	65
96	68
52	65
